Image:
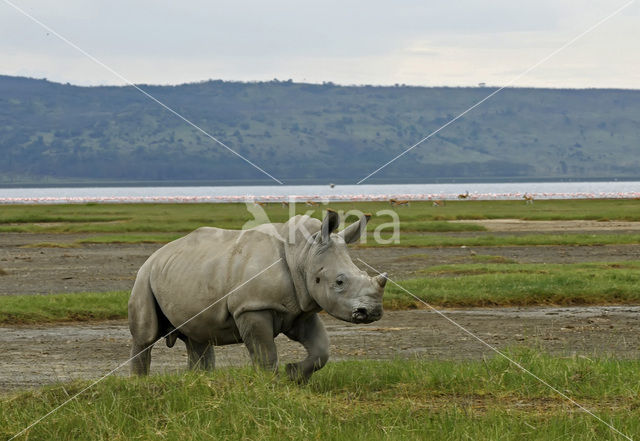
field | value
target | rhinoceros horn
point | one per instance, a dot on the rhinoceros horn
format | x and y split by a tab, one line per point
381	279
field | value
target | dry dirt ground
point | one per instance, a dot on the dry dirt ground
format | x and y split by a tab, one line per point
37	355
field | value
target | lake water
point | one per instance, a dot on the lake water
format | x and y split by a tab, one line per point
302	193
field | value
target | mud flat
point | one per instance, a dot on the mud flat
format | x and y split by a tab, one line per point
39	355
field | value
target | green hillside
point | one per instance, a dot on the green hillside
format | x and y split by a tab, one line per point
307	133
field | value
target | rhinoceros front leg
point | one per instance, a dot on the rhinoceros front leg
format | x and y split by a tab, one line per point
311	333
201	355
256	330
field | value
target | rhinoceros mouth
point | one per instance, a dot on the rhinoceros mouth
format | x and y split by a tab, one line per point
362	315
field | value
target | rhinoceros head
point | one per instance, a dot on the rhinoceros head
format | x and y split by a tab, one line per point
334	282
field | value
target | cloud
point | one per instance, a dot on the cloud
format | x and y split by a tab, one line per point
413	42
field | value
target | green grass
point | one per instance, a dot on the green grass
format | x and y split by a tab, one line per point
490	240
181	218
488	258
576	209
495	282
23	309
510	284
36	216
406	240
160	223
356	400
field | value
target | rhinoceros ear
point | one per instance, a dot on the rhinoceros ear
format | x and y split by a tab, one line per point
353	232
329	225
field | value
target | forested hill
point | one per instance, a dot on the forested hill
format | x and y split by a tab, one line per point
305	133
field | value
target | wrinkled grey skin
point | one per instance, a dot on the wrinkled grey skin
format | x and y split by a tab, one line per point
314	273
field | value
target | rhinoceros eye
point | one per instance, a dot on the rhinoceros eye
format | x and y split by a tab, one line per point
339	282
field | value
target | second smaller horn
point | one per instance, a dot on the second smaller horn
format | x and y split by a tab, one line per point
381	279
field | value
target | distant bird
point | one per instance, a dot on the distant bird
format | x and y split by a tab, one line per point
332	185
464	196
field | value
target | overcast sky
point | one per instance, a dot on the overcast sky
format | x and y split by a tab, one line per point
430	43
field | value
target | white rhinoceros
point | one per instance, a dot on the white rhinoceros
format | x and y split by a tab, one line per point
310	271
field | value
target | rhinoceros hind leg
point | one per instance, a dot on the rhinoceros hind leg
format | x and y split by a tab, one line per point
144	322
256	329
140	359
311	333
201	355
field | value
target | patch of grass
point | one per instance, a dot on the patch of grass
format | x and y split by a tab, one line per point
44	218
415	240
488	258
181	218
461	285
575	209
421	241
468	285
19	309
356	400
121	218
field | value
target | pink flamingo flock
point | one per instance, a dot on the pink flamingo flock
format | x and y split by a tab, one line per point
304	198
